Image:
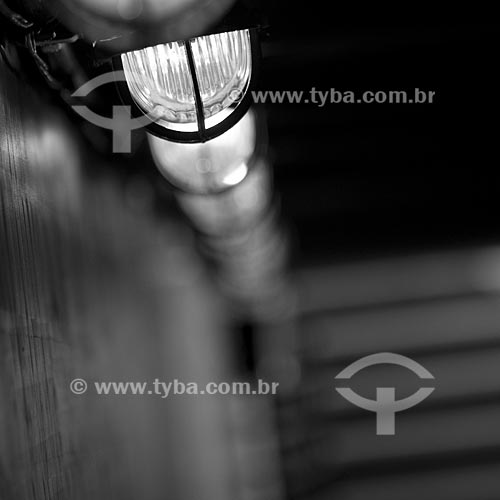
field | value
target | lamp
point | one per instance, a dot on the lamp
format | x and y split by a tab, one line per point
194	90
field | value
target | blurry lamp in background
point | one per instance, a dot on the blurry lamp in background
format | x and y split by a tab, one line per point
211	167
252	268
234	210
194	90
133	9
118	26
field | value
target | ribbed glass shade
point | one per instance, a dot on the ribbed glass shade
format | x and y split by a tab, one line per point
223	67
161	82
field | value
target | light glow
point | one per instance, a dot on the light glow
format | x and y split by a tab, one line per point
236	176
161	83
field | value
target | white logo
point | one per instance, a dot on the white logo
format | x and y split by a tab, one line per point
122	122
385	406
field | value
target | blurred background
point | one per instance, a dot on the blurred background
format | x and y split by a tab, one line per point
359	229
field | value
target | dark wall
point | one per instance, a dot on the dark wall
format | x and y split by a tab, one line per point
359	179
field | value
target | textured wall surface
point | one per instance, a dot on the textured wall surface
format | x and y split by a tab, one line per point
94	285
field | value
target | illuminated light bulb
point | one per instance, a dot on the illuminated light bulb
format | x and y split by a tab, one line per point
196	89
223	67
212	167
164	91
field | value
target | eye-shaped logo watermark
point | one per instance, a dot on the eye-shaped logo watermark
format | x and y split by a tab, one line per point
385	406
122	122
